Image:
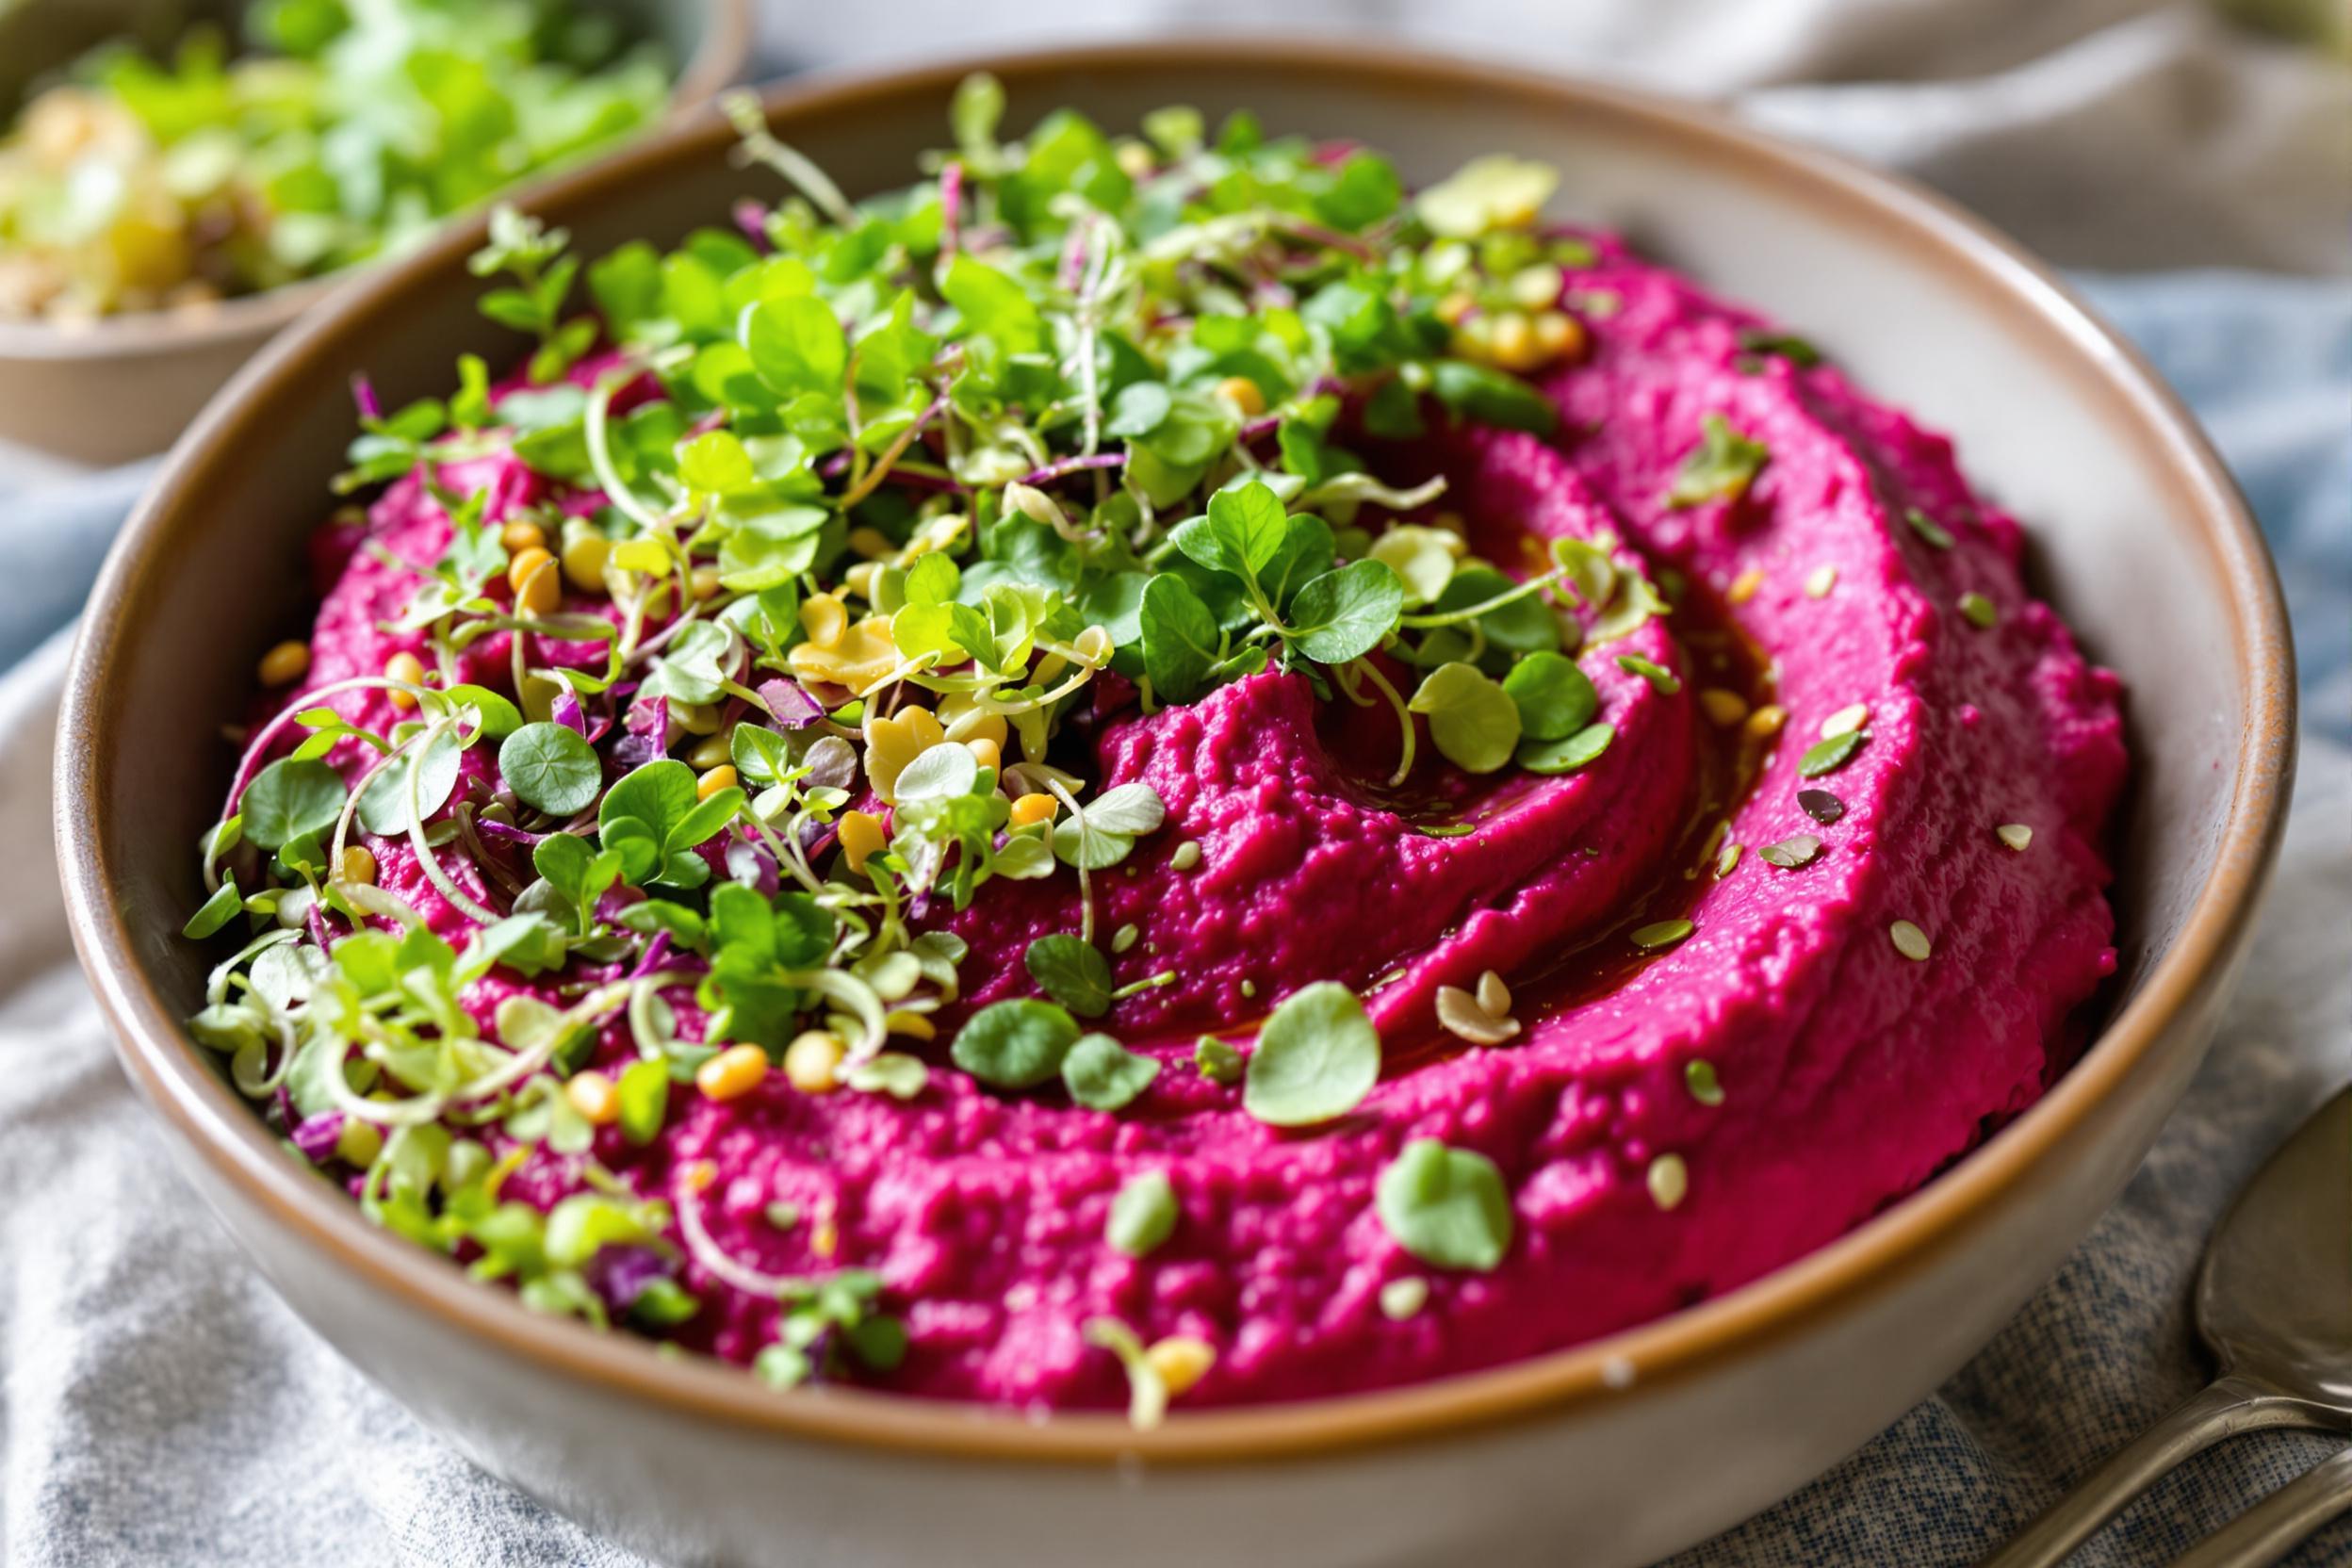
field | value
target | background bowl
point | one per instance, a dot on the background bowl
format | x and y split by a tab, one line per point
122	387
1610	1453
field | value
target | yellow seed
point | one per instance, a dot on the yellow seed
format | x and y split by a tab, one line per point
1029	809
733	1072
1181	1361
1474	338
1514	342
593	1096
896	740
538	583
720	777
1743	587
1135	160
695	718
1560	336
872	544
358	865
406	667
824	620
824	1238
1535	287
986	752
518	537
859	579
862	836
710	751
1723	708
813	1060
285	665
706	580
1244	395
1767	720
583	562
1454	306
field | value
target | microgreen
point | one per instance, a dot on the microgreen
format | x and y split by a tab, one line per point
1103	1075
1017	1044
1720	467
551	767
1446	1206
1473	721
1071	971
1317	1058
1142	1216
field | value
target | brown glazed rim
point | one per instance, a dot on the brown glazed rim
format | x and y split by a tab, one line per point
718	60
229	1138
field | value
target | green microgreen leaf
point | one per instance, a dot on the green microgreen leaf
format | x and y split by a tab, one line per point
1720	467
1103	1075
1073	972
1446	1206
1317	1058
1015	1045
1143	1214
1554	697
1473	721
551	767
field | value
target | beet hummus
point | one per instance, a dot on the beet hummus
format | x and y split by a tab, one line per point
1152	771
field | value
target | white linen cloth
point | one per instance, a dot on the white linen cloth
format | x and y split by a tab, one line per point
158	1405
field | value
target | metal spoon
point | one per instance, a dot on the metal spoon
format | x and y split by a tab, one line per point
2274	1301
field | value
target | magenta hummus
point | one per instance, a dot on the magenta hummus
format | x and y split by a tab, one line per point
1152	771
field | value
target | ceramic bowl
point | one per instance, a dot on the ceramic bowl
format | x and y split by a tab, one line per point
1607	1454
123	386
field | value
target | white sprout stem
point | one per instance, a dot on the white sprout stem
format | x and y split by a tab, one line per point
761	145
1085	839
1404	719
715	1259
597	430
427	857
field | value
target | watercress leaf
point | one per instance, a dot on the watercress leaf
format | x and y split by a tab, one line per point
1103	1075
1181	641
1243	530
1566	756
795	344
1143	1214
941	771
657	796
1472	719
1317	1058
1132	809
993	305
214	912
1073	972
709	818
1490	396
1015	1045
551	767
1555	697
1140	408
1446	1206
1346	612
288	799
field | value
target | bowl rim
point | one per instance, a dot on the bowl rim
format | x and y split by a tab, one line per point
1906	1238
717	60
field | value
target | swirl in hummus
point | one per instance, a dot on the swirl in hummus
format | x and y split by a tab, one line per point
1152	771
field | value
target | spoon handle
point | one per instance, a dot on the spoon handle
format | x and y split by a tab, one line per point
2272	1527
2233	1404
